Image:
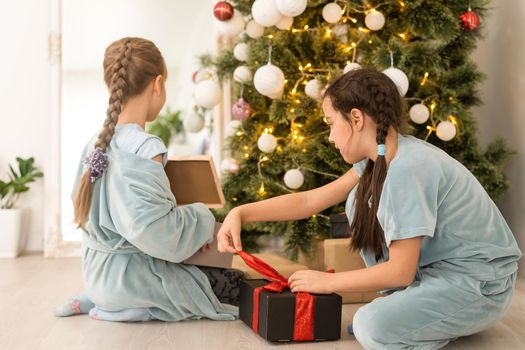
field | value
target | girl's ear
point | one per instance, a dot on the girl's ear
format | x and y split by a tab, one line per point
357	119
158	84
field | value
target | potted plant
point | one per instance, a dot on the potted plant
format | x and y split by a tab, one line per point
11	238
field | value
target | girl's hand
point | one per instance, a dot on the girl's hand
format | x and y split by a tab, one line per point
311	281
206	247
229	235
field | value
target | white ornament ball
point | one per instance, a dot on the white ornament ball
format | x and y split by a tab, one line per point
200	75
340	30
230	165
208	94
277	95
332	12
240	51
399	78
291	8
351	66
265	12
193	122
232	127
374	20
269	80
293	178
232	27
313	89
234	167
254	29
242	74
285	22
225	164
267	143
419	113
446	130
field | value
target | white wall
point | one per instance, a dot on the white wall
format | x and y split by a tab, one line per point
181	29
501	55
24	97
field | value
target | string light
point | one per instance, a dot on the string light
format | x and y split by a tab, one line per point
246	155
234	199
261	191
453	120
239	133
364	30
433	106
430	130
424	80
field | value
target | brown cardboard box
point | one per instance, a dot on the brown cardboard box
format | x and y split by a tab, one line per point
194	179
338	256
335	254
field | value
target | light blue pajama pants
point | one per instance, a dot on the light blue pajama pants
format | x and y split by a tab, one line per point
441	307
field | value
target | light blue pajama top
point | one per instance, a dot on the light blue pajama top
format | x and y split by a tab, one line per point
430	194
137	236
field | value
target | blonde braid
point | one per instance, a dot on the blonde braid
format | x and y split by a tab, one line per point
118	88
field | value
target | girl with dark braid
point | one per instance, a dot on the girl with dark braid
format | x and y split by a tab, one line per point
134	234
432	239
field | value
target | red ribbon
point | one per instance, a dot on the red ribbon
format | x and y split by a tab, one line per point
304	302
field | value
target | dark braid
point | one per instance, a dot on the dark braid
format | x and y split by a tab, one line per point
376	95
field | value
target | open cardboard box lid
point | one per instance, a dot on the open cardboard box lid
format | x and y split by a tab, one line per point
194	179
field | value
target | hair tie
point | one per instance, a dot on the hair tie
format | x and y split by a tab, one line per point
381	149
97	162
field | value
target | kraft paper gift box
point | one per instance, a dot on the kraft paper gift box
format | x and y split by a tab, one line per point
194	179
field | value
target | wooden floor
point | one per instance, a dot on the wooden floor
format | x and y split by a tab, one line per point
31	286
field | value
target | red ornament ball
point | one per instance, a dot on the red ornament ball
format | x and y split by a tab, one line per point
469	20
223	10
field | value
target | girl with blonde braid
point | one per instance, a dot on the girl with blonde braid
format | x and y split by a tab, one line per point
431	237
134	234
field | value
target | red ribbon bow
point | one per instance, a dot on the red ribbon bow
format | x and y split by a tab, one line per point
304	302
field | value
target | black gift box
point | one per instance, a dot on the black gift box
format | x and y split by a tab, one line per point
277	313
339	226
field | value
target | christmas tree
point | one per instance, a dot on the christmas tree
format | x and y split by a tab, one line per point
286	53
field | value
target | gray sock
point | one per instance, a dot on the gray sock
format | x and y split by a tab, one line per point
127	315
77	305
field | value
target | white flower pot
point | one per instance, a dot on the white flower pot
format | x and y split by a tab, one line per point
12	239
